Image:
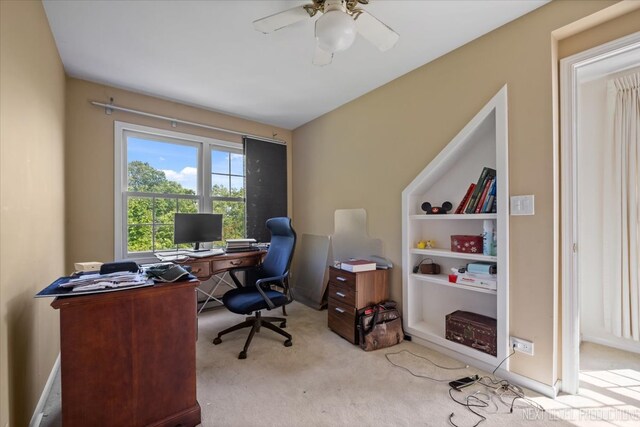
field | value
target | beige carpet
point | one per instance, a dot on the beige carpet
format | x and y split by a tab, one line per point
323	380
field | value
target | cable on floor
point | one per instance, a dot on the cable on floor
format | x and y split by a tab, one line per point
500	388
424	358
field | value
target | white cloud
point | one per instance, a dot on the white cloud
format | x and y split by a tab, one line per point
186	177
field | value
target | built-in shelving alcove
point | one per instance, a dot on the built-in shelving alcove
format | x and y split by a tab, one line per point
427	299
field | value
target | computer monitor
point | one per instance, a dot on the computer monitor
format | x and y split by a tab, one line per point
197	228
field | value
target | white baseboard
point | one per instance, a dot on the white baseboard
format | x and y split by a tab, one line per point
544	389
614	343
36	418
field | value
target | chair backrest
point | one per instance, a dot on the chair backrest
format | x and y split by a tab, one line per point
280	253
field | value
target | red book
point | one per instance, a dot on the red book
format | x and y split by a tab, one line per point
465	199
482	198
487	172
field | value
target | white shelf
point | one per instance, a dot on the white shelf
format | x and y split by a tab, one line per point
457	255
424	331
443	280
427	299
453	217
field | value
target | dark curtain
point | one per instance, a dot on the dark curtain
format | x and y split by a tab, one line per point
266	185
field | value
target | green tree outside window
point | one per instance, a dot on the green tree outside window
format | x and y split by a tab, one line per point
150	219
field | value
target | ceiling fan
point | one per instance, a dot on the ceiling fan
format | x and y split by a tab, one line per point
336	29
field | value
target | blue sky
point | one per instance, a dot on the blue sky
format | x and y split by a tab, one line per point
179	162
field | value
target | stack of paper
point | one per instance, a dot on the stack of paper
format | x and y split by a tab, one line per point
241	245
91	282
485	281
357	265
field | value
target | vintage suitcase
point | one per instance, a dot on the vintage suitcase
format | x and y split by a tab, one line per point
473	330
467	244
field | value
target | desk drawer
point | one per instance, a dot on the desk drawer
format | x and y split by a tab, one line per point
342	320
224	264
341	276
200	269
343	292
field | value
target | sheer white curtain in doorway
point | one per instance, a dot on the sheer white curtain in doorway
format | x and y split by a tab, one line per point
621	209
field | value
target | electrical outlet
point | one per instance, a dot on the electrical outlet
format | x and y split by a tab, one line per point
523	346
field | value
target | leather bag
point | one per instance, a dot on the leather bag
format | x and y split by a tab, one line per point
380	326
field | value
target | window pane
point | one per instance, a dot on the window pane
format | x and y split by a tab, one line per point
161	167
187	206
139	210
220	185
237	164
237	186
220	162
139	238
233	219
164	237
164	209
147	213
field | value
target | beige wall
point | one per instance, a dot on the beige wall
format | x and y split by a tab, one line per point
364	154
90	165
32	226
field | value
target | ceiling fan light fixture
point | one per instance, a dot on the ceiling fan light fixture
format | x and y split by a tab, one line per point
335	31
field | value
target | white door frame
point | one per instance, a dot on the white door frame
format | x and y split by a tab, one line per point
569	102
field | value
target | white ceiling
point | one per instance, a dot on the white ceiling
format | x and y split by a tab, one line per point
207	54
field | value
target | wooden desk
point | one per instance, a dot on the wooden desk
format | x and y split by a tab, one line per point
128	358
205	268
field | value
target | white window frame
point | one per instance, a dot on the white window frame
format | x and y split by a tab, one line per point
204	146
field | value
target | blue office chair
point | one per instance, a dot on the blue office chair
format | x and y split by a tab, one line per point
259	293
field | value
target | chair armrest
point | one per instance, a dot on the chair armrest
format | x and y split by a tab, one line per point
259	282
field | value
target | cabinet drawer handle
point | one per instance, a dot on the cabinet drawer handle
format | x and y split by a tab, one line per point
339	310
341	279
340	294
197	271
236	262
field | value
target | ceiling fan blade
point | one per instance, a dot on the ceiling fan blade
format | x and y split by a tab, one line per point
280	20
377	33
321	57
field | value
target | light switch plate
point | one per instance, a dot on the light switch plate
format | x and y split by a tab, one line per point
523	205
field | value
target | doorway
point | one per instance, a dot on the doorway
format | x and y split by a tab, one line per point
584	79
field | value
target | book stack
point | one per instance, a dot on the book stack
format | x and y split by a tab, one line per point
478	274
241	245
358	265
481	196
485	281
478	280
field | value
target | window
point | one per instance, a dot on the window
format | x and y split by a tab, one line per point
159	173
227	191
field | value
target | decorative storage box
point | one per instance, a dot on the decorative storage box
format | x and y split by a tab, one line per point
473	330
467	244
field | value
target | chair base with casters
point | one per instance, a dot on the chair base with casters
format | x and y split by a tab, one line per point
255	323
